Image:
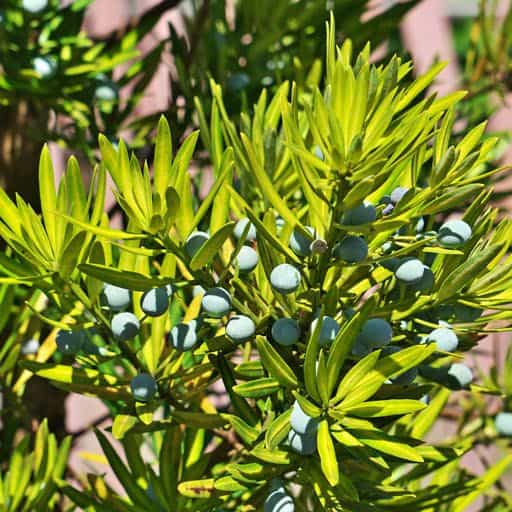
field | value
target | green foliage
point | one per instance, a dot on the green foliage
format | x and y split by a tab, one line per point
31	480
255	45
339	413
50	65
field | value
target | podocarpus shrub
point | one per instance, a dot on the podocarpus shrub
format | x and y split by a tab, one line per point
328	346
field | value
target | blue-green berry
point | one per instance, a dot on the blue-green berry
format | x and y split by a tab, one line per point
318	153
216	302
397	194
30	347
410	271
328	330
278	501
461	374
426	282
391	263
125	326
388	209
143	387
183	336
285	278
375	333
420	225
240	227
238	81
301	422
195	241
503	423
45	67
34	6
69	342
445	339
454	233
106	89
304	444
116	298
349	313
247	259
387	247
155	302
240	328
286	331
465	313
361	214
90	348
300	244
352	249
198	290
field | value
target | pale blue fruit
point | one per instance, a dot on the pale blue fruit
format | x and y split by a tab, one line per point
328	330
362	214
30	347
184	336
425	399
116	298
240	227
398	193
34	6
303	444
300	244
106	92
195	241
426	282
285	278
155	302
198	290
318	153
238	81
465	313
388	209
169	290
410	271
391	263
375	333
216	302
352	249
503	423
454	233
280	223
143	387
420	225
278	501
125	326
445	339
69	342
45	67
301	422
405	378
286	331
387	247
349	313
90	348
247	259
461	374
240	328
